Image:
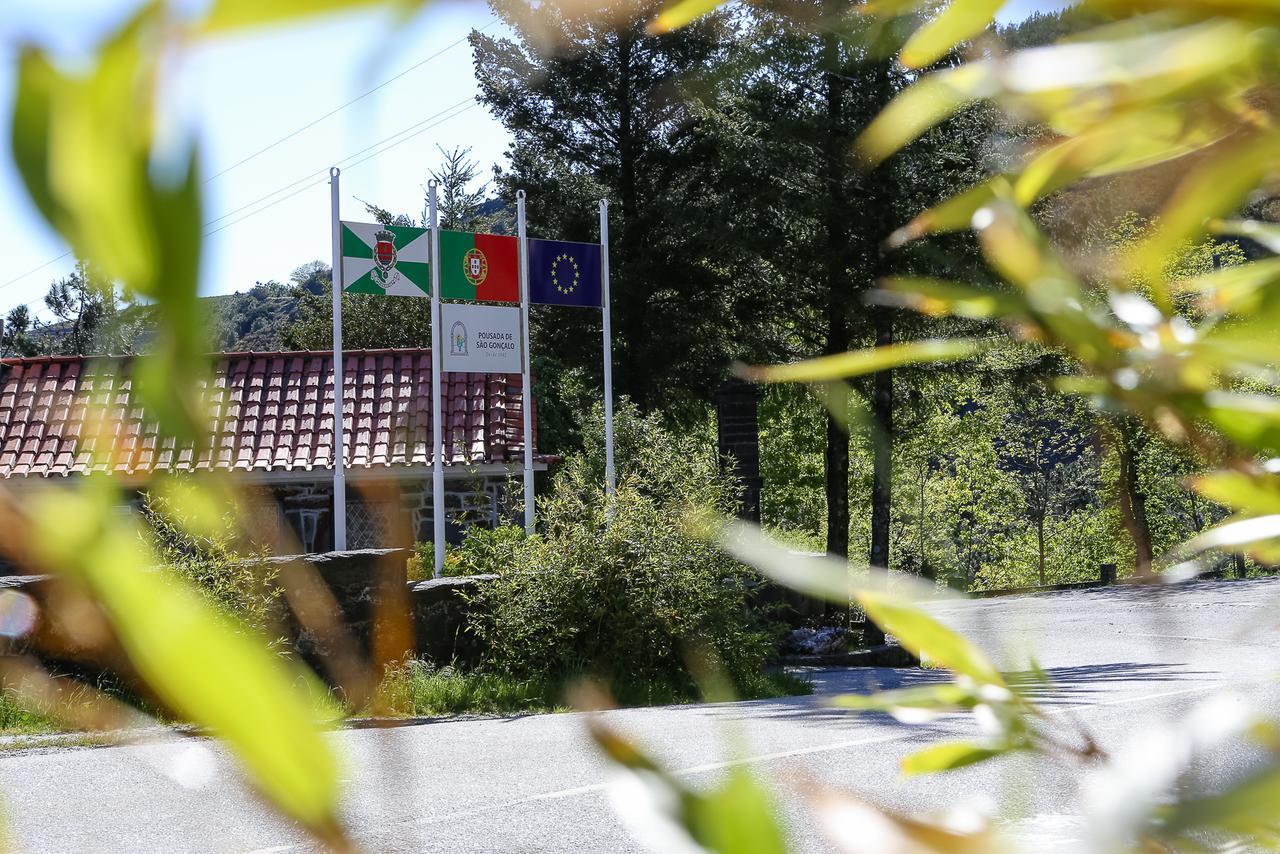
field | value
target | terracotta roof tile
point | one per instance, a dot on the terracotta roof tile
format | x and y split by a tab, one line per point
64	415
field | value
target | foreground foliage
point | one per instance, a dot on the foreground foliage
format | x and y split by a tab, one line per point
1190	359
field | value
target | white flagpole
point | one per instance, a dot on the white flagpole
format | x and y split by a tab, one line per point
611	479
526	396
339	384
437	429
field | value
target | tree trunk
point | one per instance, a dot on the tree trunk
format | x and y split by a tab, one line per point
925	571
882	461
1133	504
1040	546
836	458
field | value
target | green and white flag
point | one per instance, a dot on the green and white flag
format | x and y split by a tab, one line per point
385	259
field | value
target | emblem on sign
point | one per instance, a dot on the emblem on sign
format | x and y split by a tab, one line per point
384	259
571	273
458	339
475	266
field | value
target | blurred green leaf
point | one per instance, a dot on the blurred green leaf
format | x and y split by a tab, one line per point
201	666
82	147
676	15
926	637
817	575
942	697
1236	535
1130	140
1211	188
947	756
1258	493
1236	288
936	297
1248	807
1266	233
954	214
839	399
1253	420
170	375
230	15
31	129
737	816
1015	247
919	108
958	21
861	362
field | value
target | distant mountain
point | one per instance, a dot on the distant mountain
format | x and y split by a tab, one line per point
252	320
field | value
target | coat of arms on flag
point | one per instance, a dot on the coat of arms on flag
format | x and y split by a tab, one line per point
479	267
391	259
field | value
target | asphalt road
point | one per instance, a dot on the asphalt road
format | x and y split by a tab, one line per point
1121	659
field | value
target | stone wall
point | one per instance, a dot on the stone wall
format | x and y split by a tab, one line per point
375	520
363	581
360	582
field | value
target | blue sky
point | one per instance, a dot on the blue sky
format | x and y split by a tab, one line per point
244	93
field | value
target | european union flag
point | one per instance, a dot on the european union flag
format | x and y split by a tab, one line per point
564	273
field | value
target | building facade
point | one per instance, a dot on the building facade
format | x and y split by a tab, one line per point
271	431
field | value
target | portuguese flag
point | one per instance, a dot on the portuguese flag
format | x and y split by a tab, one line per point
479	267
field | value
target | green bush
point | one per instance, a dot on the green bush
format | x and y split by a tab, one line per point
621	588
482	551
231	573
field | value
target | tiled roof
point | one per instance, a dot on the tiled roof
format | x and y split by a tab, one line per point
63	415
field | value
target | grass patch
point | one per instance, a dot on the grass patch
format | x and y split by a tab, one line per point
19	720
770	686
418	689
415	690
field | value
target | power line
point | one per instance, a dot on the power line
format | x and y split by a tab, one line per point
468	100
465	104
344	160
36	269
289	136
353	101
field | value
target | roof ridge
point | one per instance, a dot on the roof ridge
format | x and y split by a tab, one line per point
81	357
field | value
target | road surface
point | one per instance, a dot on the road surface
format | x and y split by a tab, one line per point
1120	658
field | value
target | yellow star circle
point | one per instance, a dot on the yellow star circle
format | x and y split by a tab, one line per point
555	273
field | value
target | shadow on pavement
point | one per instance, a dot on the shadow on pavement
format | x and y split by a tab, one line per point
1055	686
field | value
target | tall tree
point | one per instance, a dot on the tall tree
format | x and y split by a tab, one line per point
817	75
598	108
462	199
17	336
1047	445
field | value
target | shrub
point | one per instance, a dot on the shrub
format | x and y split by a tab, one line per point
621	588
234	575
482	551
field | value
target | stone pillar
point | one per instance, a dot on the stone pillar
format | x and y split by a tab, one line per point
738	437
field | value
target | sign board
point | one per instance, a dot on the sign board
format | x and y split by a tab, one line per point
480	338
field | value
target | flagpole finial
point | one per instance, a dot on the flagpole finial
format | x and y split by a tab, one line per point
604	203
519	194
432	184
334	171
